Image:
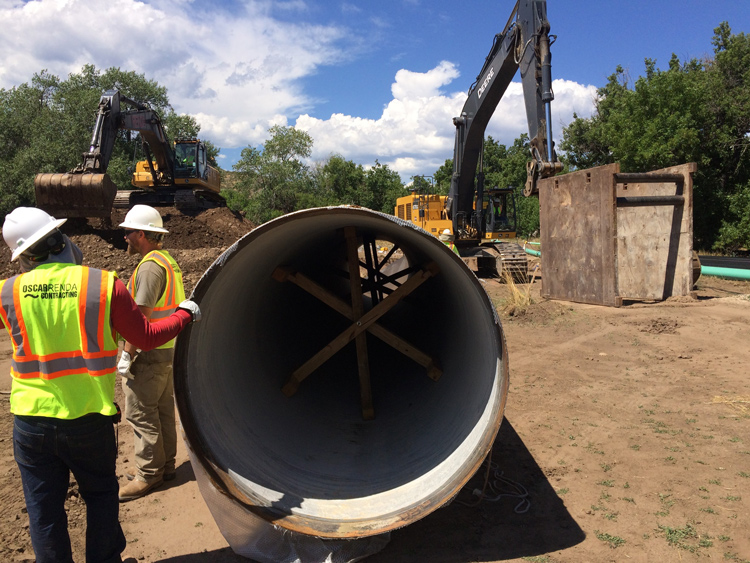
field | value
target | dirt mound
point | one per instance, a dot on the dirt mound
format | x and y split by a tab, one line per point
195	240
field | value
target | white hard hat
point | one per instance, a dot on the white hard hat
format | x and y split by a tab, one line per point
446	235
143	218
25	226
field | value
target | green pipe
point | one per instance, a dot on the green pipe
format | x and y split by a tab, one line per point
731	273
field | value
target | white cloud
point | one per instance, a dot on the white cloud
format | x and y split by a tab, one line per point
239	73
415	132
236	70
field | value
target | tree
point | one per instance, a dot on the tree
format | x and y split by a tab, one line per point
385	187
338	181
271	178
697	111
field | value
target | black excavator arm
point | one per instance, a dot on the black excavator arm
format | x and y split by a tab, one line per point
523	44
110	119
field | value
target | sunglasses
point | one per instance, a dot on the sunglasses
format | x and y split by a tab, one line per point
129	232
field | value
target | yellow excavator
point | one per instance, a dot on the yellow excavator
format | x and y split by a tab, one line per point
478	217
170	175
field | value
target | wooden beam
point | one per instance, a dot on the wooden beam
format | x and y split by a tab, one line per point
358	309
367	320
334	302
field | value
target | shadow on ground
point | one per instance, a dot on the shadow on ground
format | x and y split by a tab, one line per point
512	527
491	531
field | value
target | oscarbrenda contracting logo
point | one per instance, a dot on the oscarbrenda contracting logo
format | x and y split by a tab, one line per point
50	290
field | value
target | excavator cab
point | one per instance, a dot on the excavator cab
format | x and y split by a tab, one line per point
190	159
500	213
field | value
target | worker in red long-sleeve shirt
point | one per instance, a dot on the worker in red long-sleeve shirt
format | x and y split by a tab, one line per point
63	320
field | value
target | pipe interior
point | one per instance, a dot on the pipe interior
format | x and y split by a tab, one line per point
313	453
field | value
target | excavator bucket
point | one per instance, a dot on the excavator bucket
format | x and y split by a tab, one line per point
75	194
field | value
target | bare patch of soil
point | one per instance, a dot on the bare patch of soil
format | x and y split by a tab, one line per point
626	436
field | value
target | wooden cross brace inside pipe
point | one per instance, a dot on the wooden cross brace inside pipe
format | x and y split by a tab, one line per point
361	322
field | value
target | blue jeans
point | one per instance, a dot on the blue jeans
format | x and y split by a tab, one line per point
46	451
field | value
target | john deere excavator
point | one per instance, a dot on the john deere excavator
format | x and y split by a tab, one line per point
480	218
170	175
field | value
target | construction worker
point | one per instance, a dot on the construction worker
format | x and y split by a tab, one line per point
156	286
447	237
62	319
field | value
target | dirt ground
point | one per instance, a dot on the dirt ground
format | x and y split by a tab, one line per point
626	434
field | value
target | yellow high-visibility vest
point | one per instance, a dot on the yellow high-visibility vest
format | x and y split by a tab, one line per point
174	292
64	347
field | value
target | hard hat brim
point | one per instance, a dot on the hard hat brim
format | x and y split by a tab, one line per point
36	237
139	227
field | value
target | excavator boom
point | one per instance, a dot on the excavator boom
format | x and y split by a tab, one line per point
522	45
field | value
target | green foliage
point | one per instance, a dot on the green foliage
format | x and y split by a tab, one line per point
697	111
46	125
338	181
735	230
273	179
442	177
385	186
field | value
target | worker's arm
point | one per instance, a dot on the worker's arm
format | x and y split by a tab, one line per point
129	321
128	347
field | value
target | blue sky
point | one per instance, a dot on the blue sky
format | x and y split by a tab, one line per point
368	80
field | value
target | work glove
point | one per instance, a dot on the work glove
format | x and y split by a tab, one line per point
123	366
192	308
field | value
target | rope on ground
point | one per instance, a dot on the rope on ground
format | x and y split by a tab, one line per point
499	487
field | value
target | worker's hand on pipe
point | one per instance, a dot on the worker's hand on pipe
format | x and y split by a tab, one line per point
192	308
123	366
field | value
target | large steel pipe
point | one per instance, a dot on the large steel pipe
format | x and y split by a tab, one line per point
307	458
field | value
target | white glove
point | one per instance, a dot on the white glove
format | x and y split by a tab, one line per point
123	366
192	308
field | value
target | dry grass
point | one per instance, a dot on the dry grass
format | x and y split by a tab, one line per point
738	403
519	299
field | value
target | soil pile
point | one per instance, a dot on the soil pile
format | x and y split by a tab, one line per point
195	240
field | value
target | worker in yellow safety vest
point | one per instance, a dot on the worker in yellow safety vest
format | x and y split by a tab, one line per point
63	319
447	237
147	382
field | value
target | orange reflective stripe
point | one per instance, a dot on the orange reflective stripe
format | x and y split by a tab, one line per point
21	321
3	315
61	373
82	309
100	328
169	290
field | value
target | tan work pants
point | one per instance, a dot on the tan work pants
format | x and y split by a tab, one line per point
149	408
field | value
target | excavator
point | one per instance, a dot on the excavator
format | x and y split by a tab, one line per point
170	175
479	217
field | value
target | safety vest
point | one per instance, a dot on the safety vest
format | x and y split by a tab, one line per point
174	292
452	246
64	347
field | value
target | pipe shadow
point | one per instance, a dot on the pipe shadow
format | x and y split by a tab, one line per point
223	555
491	531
